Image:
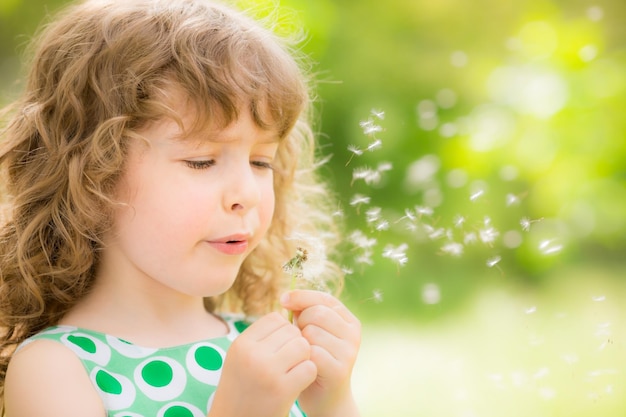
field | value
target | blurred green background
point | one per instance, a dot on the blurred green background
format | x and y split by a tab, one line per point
503	121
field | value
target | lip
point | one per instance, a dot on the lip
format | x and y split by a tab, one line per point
231	245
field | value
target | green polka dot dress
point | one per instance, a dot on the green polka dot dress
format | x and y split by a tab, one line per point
135	381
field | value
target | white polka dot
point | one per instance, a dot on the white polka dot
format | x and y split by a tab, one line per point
101	355
128	349
208	376
195	411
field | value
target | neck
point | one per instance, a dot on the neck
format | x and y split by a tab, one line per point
143	312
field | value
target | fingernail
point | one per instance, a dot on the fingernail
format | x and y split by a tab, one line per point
284	299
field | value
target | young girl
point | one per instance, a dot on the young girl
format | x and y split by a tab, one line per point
156	169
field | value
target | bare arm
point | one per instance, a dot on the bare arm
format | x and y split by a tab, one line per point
46	379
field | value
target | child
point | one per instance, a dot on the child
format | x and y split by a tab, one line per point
157	168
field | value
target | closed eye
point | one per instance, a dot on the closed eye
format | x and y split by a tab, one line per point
200	164
262	164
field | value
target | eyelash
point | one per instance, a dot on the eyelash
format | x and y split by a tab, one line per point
204	164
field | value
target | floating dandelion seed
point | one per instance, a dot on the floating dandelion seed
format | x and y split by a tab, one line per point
434	233
530	310
360	240
599	298
548	247
377	296
488	235
493	261
512	200
355	151
347	270
396	253
476	195
370	128
452	248
525	222
358	200
384	167
424	211
379	114
470	237
372	215
382	225
458	221
376	144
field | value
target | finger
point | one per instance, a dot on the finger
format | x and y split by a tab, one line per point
266	327
298	300
323	317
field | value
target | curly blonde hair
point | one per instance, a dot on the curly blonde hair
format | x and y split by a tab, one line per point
100	72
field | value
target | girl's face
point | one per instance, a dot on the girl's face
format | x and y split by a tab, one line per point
195	207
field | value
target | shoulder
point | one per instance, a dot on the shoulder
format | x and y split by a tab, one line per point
46	378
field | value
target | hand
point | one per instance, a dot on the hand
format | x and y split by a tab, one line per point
334	334
265	370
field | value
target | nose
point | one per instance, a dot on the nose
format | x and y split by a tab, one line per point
241	190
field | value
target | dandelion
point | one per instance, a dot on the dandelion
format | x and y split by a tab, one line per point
372	215
294	267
